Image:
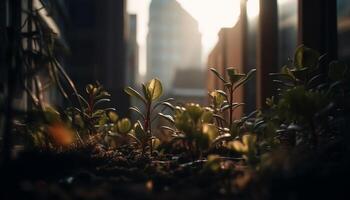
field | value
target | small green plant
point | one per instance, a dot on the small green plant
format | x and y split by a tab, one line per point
305	96
151	93
223	105
117	129
90	119
193	127
247	146
223	99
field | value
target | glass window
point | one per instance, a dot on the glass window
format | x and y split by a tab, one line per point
287	29
344	30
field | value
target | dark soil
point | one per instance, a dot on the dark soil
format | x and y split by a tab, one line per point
96	173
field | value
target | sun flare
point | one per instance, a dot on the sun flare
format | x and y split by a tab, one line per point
212	15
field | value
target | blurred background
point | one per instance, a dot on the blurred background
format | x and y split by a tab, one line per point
126	42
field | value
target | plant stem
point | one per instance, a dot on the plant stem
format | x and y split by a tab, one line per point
147	124
230	103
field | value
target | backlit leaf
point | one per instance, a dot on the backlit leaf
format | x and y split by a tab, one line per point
155	89
217	74
124	125
130	91
305	57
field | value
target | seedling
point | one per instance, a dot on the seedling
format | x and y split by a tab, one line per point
223	100
90	118
304	94
151	93
193	127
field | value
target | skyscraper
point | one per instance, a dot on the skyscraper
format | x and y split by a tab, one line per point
97	40
132	54
173	41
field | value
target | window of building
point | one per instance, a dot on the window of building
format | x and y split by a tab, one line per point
343	12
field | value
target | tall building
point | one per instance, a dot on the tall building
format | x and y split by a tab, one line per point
97	38
132	55
173	41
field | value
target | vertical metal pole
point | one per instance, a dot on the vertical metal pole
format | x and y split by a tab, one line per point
244	46
3	63
267	49
13	63
244	21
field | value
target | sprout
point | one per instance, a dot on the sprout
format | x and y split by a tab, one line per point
151	93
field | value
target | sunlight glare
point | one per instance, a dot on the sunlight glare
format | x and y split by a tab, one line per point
253	8
212	15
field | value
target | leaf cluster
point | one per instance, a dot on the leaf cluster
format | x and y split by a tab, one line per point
150	98
309	91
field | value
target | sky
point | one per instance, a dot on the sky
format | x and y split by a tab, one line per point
212	15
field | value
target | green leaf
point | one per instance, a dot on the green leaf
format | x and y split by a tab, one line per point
221	138
217	74
234	75
155	142
101	101
146	93
135	109
51	114
113	116
232	106
98	113
124	125
195	111
219	97
103	94
130	91
169	118
207	116
306	57
139	131
245	79
155	89
219	117
134	137
221	92
314	80
165	103
89	88
211	130
168	128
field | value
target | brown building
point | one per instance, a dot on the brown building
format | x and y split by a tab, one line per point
132	54
228	52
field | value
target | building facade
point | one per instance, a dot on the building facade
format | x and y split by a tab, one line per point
97	39
227	52
132	55
173	41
